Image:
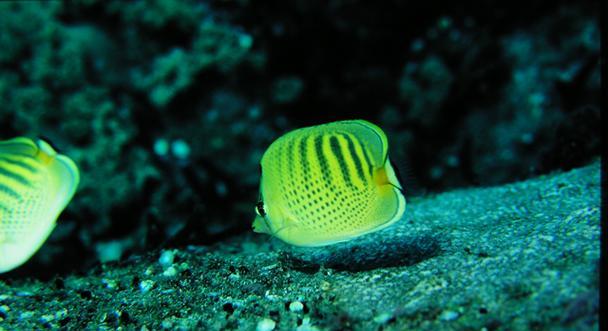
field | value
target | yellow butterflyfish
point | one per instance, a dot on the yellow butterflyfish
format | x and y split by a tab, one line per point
328	183
36	184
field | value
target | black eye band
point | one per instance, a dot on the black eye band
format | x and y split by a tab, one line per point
260	207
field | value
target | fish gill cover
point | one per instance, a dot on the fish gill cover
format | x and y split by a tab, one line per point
167	107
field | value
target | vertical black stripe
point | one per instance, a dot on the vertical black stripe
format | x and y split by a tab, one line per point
9	191
370	165
14	176
290	159
18	163
355	157
324	165
304	156
337	151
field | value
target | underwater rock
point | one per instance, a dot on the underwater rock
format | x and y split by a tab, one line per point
519	256
111	82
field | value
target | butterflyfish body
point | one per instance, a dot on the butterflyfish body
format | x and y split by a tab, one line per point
328	183
36	184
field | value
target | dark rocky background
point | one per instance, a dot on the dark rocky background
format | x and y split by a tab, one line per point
167	106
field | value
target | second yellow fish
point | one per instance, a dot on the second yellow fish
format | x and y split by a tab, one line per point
36	184
328	183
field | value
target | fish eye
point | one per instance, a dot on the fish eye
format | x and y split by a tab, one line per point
259	209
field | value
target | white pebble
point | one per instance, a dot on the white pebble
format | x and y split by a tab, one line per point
296	306
166	324
170	272
61	314
383	318
146	285
166	258
448	315
109	283
26	315
266	325
307	325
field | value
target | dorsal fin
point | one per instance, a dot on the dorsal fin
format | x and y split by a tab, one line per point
19	146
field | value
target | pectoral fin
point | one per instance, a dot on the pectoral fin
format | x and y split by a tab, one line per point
259	225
